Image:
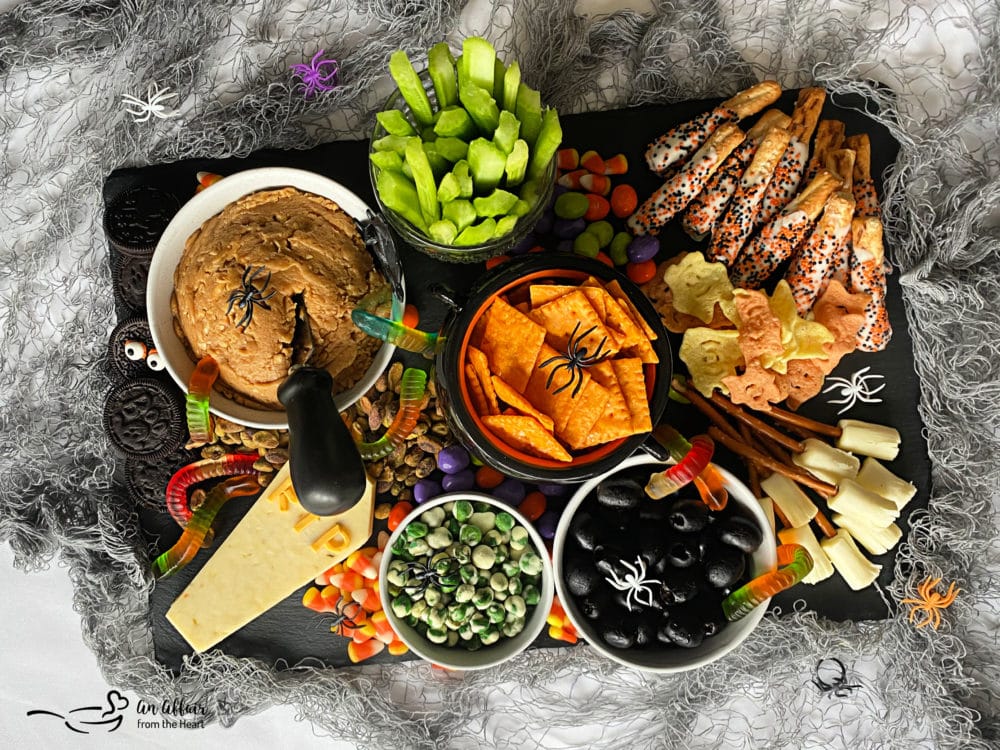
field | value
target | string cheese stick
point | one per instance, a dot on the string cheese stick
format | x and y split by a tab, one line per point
705	210
788	174
681	188
737	223
778	238
678	142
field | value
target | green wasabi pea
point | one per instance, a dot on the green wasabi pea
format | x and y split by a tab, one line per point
515	606
498	582
489	636
530	563
462	553
439	538
416	530
462	511
433	517
496	613
432	596
515	585
469	573
452	639
511	568
505	521
465	632
512	627
484	521
479	622
469	534
465	592
437	635
519	537
483	557
419	609
418	548
436	617
482	598
402	605
531	595
493	538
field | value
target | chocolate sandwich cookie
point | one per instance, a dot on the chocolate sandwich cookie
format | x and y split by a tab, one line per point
146	478
129	275
127	347
144	417
135	219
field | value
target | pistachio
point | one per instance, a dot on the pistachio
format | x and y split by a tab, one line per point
264	479
413	457
265	439
375	417
429	445
382	486
406	494
381	384
411	480
382	511
261	464
440	429
395	376
276	456
213	451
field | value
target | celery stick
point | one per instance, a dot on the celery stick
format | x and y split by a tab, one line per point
448	189
487	164
520	208
505	225
452	149
531	191
517	163
411	88
479	61
440	164
529	112
400	195
546	145
506	132
477	234
511	83
387	160
464	174
459	212
497	203
499	71
481	107
455	122
441	67
443	231
395	122
423	178
395	143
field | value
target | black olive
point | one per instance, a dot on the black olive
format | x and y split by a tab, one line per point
688	515
739	532
683	551
679	586
652	544
618	632
649	602
684	628
655	511
723	566
645	630
608	562
596	605
619	494
712	619
583	530
580	575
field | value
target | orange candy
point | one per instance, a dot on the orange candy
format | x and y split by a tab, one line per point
398	648
597	207
358	652
533	506
567	158
487	477
367	598
592	162
640	273
596	183
624	201
361	563
411	316
572	179
604	258
617	164
347	581
399	511
313	600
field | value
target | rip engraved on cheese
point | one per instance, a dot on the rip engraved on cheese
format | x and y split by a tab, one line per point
328	537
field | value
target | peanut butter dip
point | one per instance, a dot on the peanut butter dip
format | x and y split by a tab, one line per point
244	271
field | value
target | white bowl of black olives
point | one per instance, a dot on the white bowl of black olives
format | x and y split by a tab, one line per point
643	580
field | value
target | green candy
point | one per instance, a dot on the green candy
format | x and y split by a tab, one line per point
619	248
587	245
603	231
571	205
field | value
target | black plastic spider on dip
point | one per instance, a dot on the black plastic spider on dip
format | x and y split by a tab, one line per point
575	360
249	295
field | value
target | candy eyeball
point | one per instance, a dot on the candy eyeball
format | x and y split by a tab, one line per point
154	361
135	350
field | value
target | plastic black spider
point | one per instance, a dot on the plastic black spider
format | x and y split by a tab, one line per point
837	686
427	575
344	615
575	360
249	295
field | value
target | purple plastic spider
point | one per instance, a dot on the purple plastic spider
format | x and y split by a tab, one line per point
313	77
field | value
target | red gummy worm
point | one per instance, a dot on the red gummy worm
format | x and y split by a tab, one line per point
209	468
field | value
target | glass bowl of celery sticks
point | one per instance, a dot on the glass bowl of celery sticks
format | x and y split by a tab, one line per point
462	156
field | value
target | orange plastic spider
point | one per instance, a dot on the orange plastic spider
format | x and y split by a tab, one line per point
931	602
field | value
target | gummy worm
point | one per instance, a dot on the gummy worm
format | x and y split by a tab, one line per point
692	460
711	485
209	468
193	537
794	564
199	421
411	395
392	332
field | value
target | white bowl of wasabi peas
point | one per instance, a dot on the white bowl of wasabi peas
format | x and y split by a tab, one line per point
463	585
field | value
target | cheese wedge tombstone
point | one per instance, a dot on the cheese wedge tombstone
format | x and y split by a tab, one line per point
278	545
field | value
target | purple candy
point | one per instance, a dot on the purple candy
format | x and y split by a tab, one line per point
453	459
524	245
567	229
425	489
643	248
553	490
544	225
558	190
510	491
460	480
546	525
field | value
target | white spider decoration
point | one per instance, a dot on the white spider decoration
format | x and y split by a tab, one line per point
153	105
635	583
855	389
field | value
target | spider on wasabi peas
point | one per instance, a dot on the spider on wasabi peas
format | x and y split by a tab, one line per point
249	295
424	576
575	360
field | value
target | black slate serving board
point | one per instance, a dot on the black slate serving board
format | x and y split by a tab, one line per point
290	634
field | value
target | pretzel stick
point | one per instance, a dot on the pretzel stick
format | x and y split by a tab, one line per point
699	402
778	239
752	100
829	136
812	264
684	185
756	424
840	161
864	186
733	229
788	173
868	275
789	417
737	447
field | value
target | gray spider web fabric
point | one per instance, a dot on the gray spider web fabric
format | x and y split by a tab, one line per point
64	69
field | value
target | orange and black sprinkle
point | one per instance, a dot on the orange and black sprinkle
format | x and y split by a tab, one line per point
769	249
866	198
737	224
868	275
705	210
679	142
812	264
785	182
